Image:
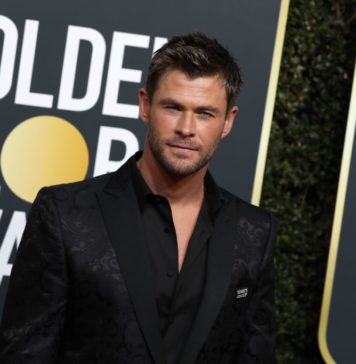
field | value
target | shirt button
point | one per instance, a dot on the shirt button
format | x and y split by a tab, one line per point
170	273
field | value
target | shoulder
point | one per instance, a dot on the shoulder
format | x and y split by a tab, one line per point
91	186
252	223
255	227
82	194
245	209
62	192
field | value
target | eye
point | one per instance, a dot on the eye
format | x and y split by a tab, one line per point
206	114
172	107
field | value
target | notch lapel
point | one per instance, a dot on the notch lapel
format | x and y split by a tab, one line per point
220	260
122	218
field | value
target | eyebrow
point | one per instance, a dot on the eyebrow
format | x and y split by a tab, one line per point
212	109
170	101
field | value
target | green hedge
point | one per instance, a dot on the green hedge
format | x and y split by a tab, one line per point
304	161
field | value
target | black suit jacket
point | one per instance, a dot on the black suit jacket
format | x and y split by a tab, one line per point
81	289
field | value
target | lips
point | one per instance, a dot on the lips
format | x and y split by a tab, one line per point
183	146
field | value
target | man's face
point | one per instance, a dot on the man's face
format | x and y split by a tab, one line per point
186	119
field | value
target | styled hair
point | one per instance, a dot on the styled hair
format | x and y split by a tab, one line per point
196	55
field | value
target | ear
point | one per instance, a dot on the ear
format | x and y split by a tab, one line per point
144	105
229	121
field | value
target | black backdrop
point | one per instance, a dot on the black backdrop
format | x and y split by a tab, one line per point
37	35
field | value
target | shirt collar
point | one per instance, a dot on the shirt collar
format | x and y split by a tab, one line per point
139	184
213	196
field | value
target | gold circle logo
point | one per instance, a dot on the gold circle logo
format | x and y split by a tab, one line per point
43	151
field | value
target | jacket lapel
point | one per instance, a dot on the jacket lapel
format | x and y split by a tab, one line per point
123	222
220	260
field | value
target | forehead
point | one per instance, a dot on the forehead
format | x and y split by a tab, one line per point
177	84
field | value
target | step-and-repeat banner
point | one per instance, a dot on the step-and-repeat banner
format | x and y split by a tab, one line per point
337	329
69	76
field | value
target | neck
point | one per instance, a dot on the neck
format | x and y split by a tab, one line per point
177	189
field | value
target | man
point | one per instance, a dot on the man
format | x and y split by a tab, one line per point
153	263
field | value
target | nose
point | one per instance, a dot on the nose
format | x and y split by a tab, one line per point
186	125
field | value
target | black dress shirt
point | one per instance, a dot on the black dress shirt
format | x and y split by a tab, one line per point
178	294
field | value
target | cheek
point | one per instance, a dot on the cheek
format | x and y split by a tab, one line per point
211	135
158	129
163	125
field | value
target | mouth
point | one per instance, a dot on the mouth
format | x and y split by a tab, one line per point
182	150
183	146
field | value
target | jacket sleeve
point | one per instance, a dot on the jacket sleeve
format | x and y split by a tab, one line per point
36	299
260	331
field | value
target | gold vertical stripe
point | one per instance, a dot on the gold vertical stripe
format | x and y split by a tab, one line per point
335	235
270	99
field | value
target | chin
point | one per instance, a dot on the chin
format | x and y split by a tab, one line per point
183	169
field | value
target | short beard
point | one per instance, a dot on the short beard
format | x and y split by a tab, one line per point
176	168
